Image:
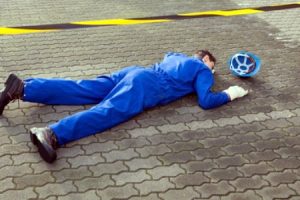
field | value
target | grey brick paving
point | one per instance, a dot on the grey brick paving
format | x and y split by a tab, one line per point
247	149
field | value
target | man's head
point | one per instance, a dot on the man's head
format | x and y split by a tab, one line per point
207	58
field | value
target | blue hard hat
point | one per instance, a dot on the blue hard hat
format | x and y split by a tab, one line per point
244	64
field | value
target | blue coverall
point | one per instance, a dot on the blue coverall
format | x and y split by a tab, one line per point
123	94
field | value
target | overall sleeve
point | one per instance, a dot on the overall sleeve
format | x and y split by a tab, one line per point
206	98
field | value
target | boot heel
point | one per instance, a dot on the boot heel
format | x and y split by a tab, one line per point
10	79
33	138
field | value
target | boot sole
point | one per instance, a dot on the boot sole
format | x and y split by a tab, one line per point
11	78
42	150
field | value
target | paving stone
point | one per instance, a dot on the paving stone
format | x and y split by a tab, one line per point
289	151
150	122
294	120
180	157
239	149
5	160
91	195
260	168
112	135
55	189
20	138
53	116
108	168
164	139
295	186
195	179
132	143
4	140
149	131
6	184
83	141
27	193
227	161
276	123
248	195
85	160
33	180
254	182
285	177
43	166
292	131
165	171
212	198
181	118
254	117
254	108
131	177
272	144
294	198
271	134
281	114
172	128
208	153
252	127
151	186
199	166
69	152
89	183
71	174
115	155
186	193
26	158
185	146
15	171
255	157
139	163
244	138
188	109
99	147
148	197
194	135
280	192
296	111
131	124
228	121
209	190
285	163
291	141
195	125
217	175
216	142
11	149
123	192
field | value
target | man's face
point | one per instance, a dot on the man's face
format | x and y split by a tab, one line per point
208	62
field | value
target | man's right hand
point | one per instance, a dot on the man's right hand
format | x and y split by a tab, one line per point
235	92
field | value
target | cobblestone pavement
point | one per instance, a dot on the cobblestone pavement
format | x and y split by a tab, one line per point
247	149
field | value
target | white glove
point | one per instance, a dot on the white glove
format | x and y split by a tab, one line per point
236	92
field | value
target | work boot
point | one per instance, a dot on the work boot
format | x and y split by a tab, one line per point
46	142
14	89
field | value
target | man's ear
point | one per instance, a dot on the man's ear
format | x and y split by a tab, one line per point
205	58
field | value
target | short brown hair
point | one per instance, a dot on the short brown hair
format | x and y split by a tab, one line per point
201	53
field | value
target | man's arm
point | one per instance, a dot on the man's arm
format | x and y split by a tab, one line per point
206	98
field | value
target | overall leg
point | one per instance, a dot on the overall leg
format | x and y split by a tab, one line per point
139	89
67	92
130	96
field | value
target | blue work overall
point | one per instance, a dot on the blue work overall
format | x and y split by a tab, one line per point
123	94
